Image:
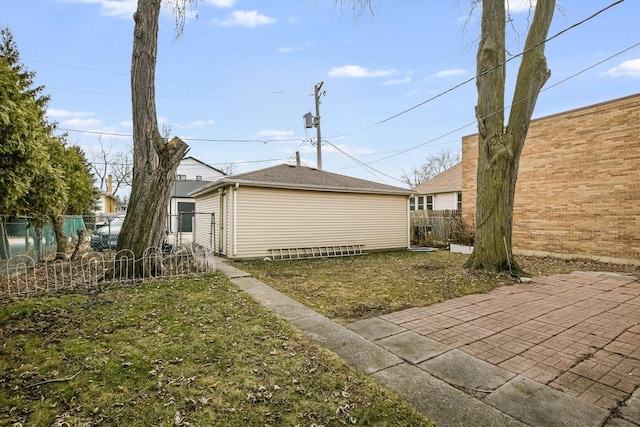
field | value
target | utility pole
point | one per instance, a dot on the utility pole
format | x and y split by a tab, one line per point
319	134
311	121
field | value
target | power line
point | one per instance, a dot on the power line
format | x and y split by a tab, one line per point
368	168
239	162
393	153
128	135
484	72
119	73
399	152
92	92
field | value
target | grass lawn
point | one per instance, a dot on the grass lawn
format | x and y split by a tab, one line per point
190	351
352	288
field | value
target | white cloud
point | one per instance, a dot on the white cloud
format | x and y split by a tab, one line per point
119	8
288	49
222	3
353	151
245	18
276	134
401	81
451	72
359	72
297	48
126	123
78	123
630	68
515	6
63	114
196	124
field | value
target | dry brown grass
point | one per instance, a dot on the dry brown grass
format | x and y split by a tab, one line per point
185	351
348	289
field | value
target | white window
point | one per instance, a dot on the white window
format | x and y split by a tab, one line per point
459	201
429	205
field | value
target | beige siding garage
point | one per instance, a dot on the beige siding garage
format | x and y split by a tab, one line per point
204	234
286	207
279	218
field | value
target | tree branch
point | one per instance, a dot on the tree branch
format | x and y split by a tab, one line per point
55	380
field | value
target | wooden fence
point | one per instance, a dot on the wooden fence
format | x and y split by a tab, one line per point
434	228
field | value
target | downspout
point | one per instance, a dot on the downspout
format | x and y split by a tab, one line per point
235	219
409	221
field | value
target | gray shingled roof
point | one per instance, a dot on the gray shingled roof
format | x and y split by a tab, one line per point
182	187
446	182
302	177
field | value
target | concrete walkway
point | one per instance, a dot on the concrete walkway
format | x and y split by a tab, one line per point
560	351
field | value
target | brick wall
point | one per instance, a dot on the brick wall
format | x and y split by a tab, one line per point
578	190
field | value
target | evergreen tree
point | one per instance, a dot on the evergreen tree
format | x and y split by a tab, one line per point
42	177
23	132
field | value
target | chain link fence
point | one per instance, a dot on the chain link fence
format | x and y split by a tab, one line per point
24	239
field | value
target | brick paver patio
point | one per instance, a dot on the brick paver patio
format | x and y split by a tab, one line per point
578	333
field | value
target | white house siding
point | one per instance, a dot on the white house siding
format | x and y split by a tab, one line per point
191	168
271	218
445	201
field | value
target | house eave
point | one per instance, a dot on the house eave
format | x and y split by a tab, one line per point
291	186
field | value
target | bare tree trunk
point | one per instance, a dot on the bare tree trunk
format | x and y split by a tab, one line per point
155	160
499	147
5	249
61	240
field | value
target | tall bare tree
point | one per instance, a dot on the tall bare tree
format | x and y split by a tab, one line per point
434	164
500	145
105	161
155	159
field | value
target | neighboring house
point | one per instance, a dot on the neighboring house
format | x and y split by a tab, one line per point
293	208
433	206
578	188
191	168
442	192
191	175
121	208
106	203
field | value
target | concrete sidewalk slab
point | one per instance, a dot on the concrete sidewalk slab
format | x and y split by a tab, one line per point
630	411
447	406
375	328
539	405
412	347
460	369
356	350
619	422
280	304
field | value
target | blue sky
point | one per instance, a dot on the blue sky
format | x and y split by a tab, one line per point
236	85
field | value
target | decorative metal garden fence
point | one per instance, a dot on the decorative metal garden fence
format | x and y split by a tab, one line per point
23	276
